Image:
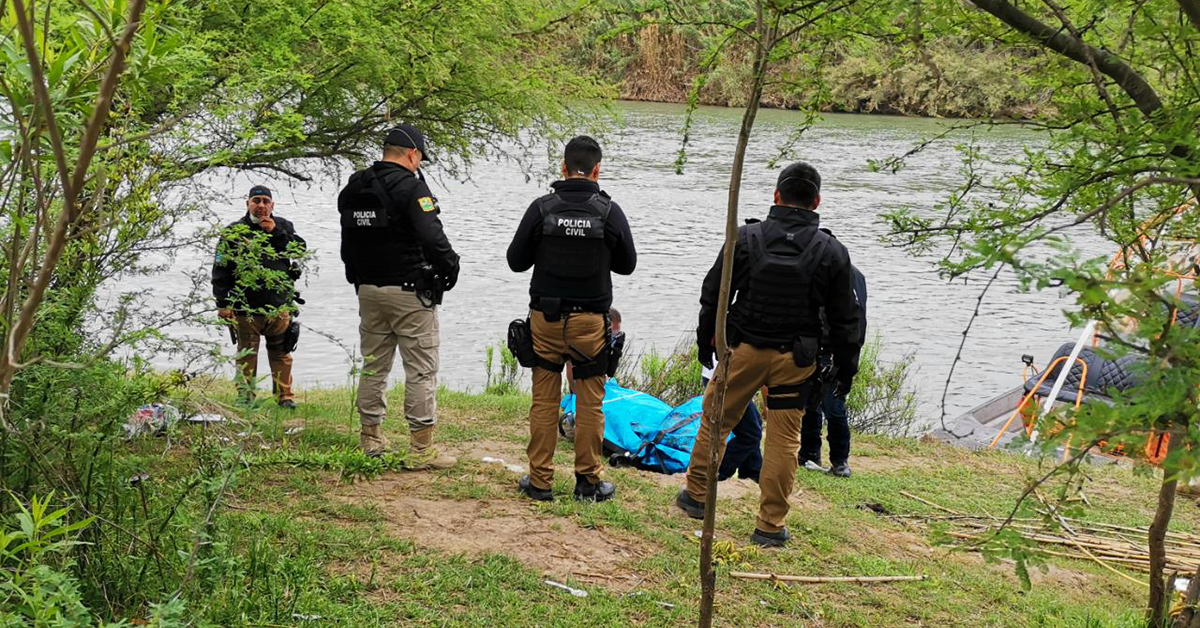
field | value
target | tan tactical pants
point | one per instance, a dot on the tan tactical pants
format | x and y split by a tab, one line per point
390	318
750	368
249	330
585	332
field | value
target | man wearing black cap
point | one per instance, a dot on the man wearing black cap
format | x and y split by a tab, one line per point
254	281
400	262
784	270
574	238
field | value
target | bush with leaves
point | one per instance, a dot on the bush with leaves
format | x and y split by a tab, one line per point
1122	161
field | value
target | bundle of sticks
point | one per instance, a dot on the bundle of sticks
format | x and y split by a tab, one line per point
1119	545
1108	544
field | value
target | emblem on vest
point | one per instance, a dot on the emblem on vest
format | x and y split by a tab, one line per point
365	218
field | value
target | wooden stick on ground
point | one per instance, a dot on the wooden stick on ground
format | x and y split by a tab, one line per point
930	504
824	579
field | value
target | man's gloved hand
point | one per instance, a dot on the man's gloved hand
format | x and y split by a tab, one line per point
842	386
704	353
450	278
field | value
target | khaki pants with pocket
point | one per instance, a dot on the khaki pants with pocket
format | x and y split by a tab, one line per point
750	368
252	328
583	332
391	319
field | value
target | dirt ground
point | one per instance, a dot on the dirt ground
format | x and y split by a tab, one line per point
557	547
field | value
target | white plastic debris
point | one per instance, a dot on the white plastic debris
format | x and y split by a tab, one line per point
1182	584
500	461
293	430
206	418
151	419
571	590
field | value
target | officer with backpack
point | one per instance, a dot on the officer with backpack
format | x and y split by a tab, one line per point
573	238
400	262
784	270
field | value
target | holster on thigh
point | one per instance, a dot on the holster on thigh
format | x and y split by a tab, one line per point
788	397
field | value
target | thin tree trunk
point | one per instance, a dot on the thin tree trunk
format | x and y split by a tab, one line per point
71	183
1157	611
708	576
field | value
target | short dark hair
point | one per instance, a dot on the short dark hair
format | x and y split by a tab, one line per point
581	155
799	184
614	315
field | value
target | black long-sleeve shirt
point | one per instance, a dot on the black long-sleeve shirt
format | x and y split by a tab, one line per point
832	286
523	250
242	253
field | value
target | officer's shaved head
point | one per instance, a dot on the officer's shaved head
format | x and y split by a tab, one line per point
393	151
582	155
799	185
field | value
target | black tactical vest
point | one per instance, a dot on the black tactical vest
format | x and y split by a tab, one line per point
382	244
372	206
573	261
776	306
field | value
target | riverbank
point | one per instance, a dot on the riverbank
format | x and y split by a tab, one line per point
294	540
944	78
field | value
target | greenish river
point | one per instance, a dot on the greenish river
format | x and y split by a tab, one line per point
677	222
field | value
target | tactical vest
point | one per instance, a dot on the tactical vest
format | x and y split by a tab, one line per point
373	205
776	306
383	246
572	260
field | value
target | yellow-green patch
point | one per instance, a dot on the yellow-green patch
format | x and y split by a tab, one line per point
426	203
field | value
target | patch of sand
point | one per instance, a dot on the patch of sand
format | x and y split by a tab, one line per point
557	547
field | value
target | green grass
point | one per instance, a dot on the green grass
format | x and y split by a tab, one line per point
296	546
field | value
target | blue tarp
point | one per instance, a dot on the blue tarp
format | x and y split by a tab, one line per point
653	434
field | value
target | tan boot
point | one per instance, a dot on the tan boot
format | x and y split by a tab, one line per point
423	455
372	441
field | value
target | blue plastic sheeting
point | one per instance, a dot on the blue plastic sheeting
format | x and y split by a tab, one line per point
652	433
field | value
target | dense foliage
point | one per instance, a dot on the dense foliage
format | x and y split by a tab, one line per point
108	112
1121	161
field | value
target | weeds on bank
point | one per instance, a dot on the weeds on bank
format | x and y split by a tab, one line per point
351	464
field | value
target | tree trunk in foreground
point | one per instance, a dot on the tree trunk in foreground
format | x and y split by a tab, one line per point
708	577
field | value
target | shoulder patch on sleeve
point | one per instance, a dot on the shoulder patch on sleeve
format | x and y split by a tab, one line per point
426	203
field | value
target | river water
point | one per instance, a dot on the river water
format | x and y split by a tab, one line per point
678	222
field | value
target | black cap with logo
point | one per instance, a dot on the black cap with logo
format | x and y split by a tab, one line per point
407	136
260	190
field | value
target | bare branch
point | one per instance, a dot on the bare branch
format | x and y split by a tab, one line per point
1134	85
1191	8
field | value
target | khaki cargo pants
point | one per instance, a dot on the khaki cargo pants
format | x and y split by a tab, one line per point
585	332
250	329
390	319
750	368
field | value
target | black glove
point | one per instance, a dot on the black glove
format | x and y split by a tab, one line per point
450	277
842	386
704	353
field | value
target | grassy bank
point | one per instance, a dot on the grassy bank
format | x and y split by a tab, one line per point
292	541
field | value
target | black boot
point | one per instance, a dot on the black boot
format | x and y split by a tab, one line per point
693	508
770	539
840	469
586	491
532	492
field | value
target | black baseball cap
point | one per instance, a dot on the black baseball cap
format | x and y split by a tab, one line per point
260	190
407	136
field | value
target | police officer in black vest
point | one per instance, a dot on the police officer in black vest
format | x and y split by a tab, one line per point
784	270
400	262
573	238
